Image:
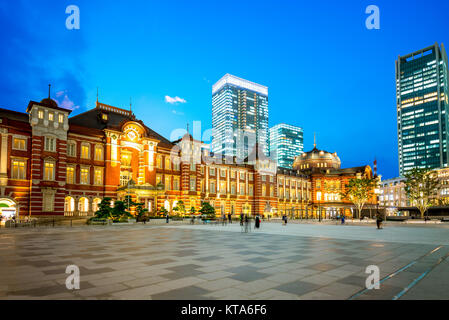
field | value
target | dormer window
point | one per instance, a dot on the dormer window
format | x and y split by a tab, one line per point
104	117
51	116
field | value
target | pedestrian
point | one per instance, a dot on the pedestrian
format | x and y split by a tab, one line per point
241	220
167	218
230	218
257	225
192	219
247	226
379	220
342	219
285	220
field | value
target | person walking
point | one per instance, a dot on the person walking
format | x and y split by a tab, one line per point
167	218
379	220
246	223
241	220
285	220
257	225
230	218
342	219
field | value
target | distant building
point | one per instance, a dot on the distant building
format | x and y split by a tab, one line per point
392	193
239	117
286	143
422	109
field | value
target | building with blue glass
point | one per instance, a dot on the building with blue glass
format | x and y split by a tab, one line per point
422	109
286	143
239	117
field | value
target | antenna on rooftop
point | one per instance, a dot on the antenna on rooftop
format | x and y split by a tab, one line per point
49	89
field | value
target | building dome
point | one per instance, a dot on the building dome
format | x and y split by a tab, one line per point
317	159
49	103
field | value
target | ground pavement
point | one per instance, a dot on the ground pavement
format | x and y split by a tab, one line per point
297	261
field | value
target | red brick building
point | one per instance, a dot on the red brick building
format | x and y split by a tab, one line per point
52	164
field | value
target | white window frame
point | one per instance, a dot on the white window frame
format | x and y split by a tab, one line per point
88	175
53	177
21	138
24	169
69	143
47	146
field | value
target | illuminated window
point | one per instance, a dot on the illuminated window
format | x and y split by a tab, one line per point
85	151
104	116
18	169
50	144
159	162
84	176
61	118
223	173
271	191
167	183
19	144
49	170
264	190
242	189
176	183
126	159
223	186
192	184
125	177
99	153
158	179
98	176
70	176
40	114
251	190
51	116
167	163
318	196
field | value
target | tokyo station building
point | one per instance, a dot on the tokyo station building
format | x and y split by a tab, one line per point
52	164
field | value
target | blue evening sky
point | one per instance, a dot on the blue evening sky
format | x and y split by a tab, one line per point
325	71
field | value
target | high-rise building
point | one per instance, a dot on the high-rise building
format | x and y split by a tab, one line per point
239	117
286	143
422	109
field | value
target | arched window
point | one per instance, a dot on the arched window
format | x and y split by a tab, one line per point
83	206
69	205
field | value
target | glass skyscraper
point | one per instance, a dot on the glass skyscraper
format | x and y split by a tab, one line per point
286	143
422	109
239	116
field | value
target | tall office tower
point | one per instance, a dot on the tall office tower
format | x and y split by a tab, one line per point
239	117
286	143
422	109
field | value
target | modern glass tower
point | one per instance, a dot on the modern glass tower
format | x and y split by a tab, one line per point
239	116
286	143
422	109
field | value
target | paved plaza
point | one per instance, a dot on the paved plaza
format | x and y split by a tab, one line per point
180	261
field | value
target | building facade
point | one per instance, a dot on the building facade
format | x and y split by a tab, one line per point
286	143
55	165
422	109
239	117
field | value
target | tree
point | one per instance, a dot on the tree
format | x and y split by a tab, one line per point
104	209
119	211
163	211
192	210
421	187
359	191
207	210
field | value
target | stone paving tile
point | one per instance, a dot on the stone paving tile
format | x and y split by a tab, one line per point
297	287
219	284
186	293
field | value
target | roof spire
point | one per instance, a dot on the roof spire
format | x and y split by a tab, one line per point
314	139
49	89
97	94
188	128
130	104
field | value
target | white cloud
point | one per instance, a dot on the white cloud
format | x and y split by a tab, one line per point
174	100
65	103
